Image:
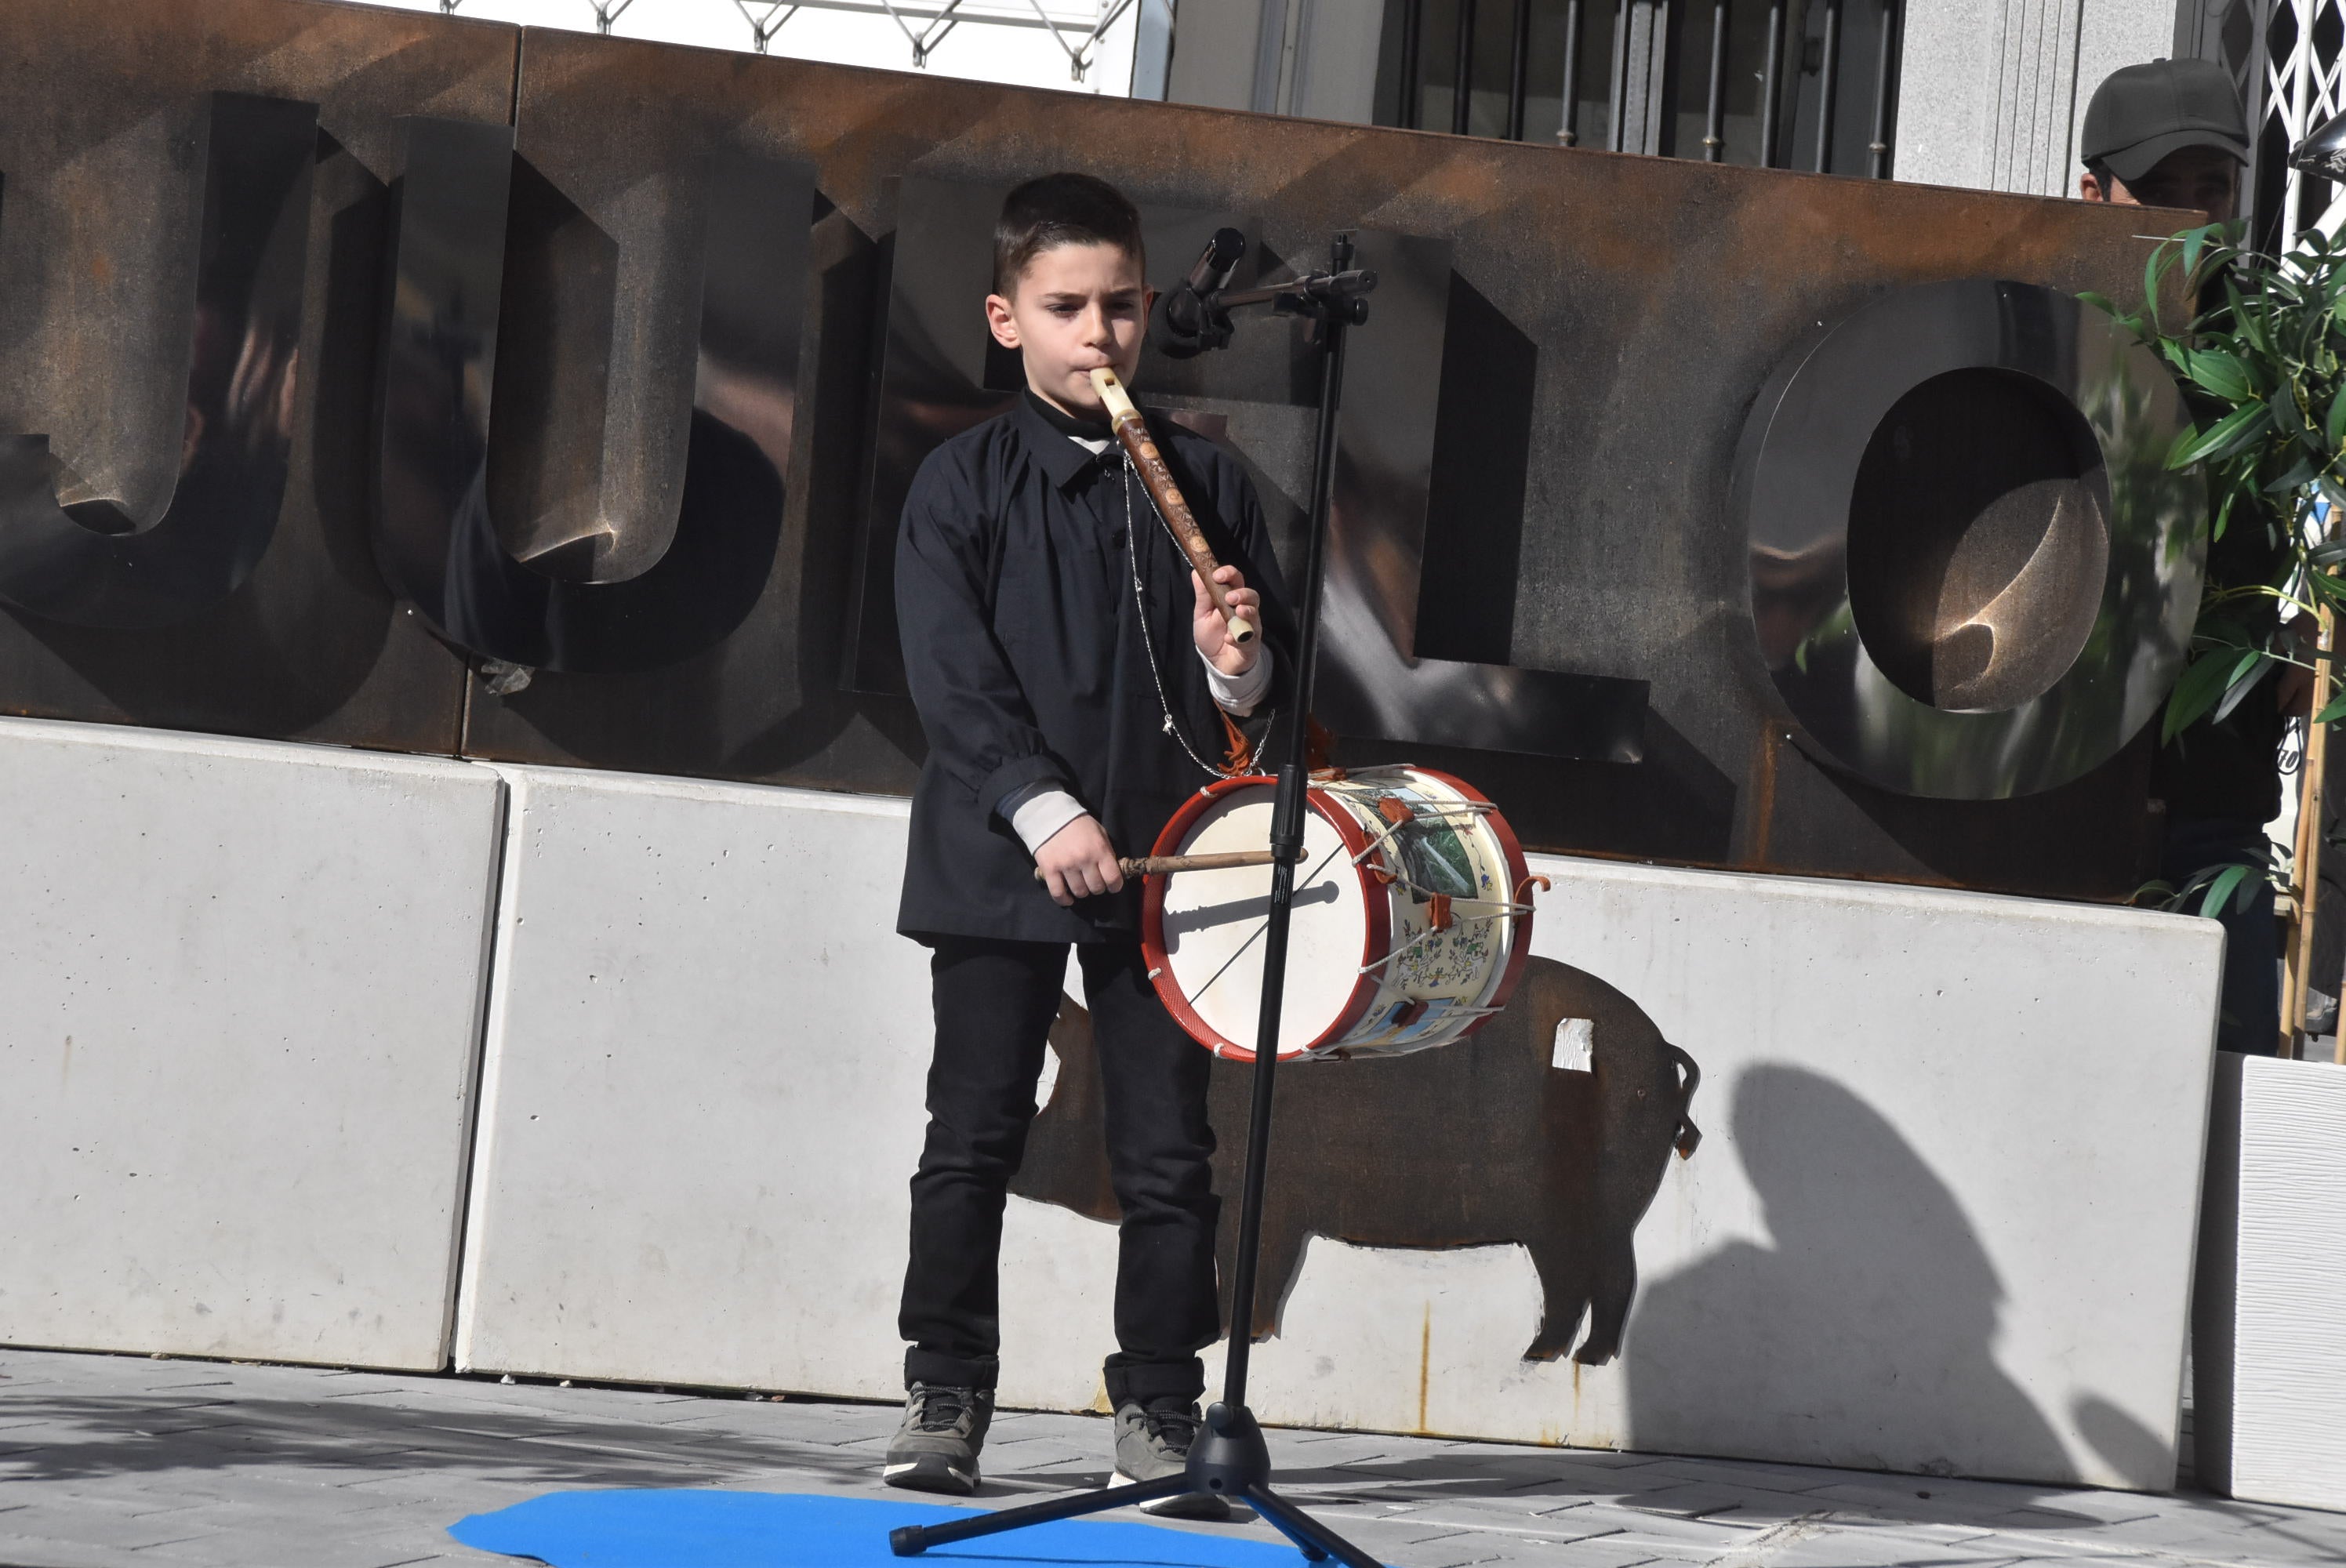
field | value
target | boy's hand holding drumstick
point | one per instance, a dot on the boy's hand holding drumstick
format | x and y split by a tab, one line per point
1078	862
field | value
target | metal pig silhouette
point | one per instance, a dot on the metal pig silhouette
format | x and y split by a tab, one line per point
435	540
89	562
1484	1142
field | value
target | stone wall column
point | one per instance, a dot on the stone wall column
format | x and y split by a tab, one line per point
1315	58
1992	93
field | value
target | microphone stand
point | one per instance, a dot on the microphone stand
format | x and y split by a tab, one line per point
1229	1458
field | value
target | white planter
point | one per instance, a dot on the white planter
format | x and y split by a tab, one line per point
2269	1345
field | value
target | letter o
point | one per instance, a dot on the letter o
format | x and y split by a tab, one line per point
1971	575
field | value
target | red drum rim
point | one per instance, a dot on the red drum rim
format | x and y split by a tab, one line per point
1378	935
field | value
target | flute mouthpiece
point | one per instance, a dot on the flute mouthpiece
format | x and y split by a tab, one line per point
1111	394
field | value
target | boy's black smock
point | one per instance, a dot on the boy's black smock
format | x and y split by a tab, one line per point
1015	601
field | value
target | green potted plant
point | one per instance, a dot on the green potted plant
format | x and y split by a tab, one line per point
2261	354
2262	361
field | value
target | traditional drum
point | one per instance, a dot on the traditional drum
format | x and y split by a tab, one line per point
1412	917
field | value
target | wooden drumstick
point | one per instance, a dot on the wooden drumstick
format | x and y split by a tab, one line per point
1164	865
1132	434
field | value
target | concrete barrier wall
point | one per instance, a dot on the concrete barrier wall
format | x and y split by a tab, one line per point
1942	1220
702	1091
1941	1223
243	988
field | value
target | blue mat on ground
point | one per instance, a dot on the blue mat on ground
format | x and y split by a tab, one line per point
694	1529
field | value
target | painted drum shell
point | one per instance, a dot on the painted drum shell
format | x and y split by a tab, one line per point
1519	876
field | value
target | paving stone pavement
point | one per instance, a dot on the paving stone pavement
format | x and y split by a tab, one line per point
117	1461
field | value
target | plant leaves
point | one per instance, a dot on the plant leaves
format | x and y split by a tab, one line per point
2334	712
2202	686
2247	323
2283	403
2221	888
2223	375
2256	665
2234	430
2300	474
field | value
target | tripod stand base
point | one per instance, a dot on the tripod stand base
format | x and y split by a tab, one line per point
1229	1458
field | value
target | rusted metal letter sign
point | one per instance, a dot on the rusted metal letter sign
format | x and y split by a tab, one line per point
435	537
87	561
1689	527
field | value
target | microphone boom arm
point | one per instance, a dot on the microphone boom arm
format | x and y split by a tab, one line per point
1312	294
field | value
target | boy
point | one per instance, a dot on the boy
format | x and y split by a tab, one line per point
1067	666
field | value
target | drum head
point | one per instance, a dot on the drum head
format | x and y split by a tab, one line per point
1210	928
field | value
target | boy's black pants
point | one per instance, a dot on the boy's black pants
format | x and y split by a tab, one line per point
995	1004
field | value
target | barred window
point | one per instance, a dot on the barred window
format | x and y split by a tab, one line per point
1787	84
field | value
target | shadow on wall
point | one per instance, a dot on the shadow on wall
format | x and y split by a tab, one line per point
1870	1316
1550	1128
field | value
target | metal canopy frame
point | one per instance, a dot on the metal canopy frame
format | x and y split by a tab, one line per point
1080	41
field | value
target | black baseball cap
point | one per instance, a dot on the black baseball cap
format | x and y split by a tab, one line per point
2142	112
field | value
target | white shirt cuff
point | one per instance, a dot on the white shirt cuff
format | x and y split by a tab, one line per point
1239	693
1039	811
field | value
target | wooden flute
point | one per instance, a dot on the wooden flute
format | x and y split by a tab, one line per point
1132	434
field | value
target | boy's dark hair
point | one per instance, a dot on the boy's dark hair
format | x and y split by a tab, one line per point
1055	210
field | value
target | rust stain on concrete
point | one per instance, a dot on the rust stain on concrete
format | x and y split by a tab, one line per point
1424	1363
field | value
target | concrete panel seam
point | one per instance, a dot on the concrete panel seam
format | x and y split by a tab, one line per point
461	1216
480	1143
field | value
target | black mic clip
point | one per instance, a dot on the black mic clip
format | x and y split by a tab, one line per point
1214	328
1190	320
1328	296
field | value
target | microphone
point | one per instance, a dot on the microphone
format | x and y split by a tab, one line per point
1188	321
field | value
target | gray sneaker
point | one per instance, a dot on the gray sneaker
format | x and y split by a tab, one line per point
1152	1441
935	1449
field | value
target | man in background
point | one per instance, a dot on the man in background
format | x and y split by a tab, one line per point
2173	133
